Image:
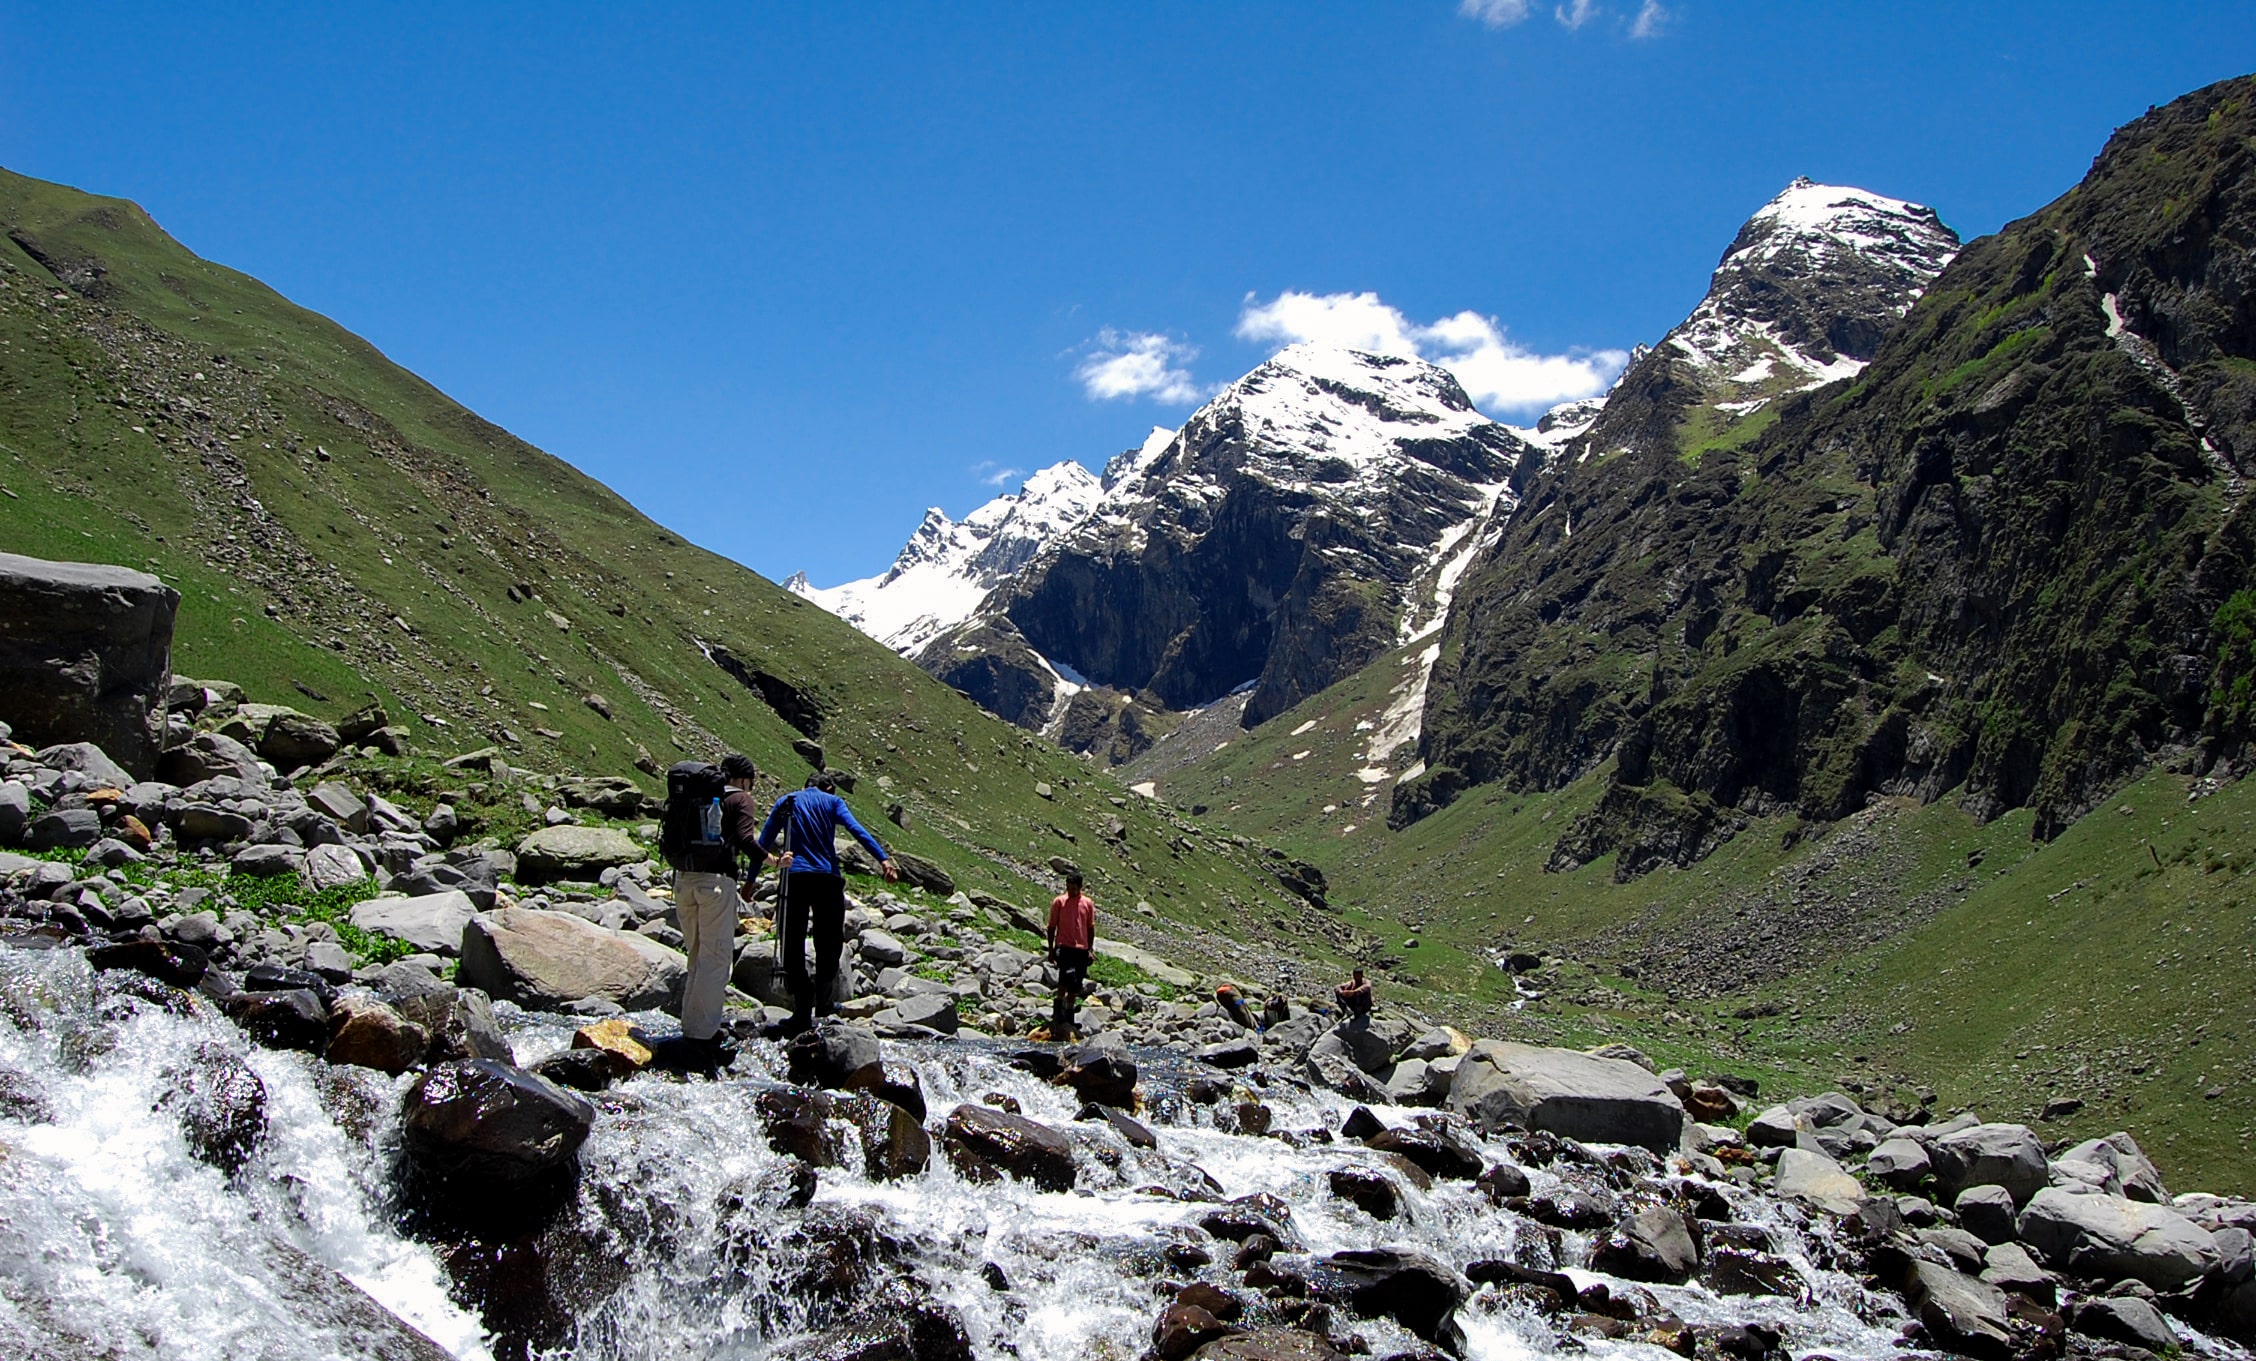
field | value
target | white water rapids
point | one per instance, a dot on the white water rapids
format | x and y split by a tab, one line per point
116	1239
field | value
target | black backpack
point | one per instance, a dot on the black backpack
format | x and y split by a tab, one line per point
691	825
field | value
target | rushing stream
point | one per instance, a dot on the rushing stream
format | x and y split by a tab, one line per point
687	1238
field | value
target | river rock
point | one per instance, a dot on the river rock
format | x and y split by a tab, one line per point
89	760
1899	1164
365	1031
834	1053
171	962
1103	1075
294	1018
2009	1267
492	1126
894	1144
890	1330
433	922
1437	1151
1650	1245
15	812
85	653
1959	1312
293	740
1271	1344
340	805
1988	1213
2107	1239
331	866
544	960
933	1011
220	1104
2123	1168
1183	1329
209	756
268	860
2125	1318
64	828
1813	1177
1237	1053
578	853
2011	1156
984	1142
1405	1285
1565	1092
1368	1189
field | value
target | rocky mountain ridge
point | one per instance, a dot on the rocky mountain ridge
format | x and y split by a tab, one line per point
1997	562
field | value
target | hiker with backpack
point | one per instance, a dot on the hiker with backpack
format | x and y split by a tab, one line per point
711	820
812	897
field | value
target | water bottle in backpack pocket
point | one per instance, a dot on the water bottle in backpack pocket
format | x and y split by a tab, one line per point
690	828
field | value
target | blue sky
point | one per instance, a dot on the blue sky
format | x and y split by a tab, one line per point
786	275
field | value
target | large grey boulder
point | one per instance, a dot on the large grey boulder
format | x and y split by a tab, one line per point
15	811
2117	1166
579	853
1899	1164
433	922
1565	1092
929	1011
544	960
331	866
209	756
1807	1175
293	739
2126	1318
88	760
86	656
2010	1156
2106	1238
1963	1314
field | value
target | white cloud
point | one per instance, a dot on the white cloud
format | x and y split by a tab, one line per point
994	474
1138	364
1494	13
1498	374
1577	14
1650	16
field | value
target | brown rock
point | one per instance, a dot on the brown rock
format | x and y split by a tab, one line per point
367	1032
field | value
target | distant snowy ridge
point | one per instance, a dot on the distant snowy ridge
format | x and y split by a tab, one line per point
1875	252
947	567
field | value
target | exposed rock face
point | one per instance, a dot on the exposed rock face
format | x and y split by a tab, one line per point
1280	539
86	656
1889	590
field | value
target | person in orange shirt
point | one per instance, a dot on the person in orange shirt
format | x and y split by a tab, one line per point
1072	934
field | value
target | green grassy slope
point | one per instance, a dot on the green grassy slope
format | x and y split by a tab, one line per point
341	531
1908	945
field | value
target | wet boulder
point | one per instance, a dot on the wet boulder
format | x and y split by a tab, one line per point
1650	1245
2107	1239
893	1330
1271	1344
172	962
291	1018
85	656
545	960
489	1125
220	1105
834	1053
1106	1076
889	1081
1580	1096
1439	1151
1368	1189
1413	1289
985	1143
1183	1328
363	1030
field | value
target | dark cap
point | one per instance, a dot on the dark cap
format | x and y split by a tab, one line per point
821	780
737	766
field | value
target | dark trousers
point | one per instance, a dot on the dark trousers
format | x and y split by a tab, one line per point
1073	976
819	901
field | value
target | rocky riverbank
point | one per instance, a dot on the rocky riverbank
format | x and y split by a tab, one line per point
488	1023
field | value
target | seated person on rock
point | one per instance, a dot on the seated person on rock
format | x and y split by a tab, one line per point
1355	1000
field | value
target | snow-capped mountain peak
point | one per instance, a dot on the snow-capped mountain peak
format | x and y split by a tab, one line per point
947	566
1807	288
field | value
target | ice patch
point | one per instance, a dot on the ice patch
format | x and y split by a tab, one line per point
1311	723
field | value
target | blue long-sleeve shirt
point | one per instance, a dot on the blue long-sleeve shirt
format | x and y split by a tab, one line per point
814	820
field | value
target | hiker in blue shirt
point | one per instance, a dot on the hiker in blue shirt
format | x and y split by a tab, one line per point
814	891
